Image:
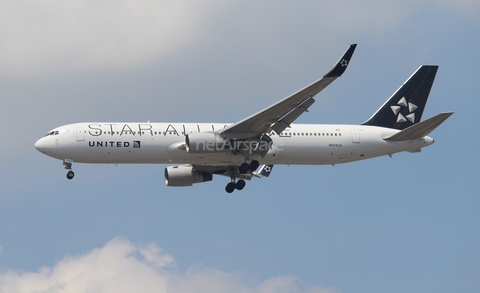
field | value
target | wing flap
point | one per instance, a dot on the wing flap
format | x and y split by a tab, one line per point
291	116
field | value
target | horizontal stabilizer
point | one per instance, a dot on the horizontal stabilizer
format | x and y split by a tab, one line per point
420	129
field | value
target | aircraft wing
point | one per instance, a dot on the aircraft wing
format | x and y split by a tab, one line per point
280	115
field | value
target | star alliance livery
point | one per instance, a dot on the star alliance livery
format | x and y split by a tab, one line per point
200	150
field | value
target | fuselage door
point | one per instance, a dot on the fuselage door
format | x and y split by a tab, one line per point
355	136
80	134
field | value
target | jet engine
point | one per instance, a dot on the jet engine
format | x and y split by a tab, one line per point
185	176
206	142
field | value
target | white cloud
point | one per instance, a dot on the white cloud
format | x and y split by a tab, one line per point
58	36
121	266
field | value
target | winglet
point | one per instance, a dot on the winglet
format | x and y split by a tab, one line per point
264	171
342	64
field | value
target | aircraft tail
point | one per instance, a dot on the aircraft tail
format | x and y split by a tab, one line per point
405	107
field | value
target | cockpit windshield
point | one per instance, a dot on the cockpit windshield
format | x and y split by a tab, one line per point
52	133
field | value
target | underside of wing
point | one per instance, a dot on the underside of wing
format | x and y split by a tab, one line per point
228	171
280	115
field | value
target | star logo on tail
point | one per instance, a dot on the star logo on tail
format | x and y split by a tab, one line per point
411	108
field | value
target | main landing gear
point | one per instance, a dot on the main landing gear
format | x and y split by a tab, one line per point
68	165
239	185
243	169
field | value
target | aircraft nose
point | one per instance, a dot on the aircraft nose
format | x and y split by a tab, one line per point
39	145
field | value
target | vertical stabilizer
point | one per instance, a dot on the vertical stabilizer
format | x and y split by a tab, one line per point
405	107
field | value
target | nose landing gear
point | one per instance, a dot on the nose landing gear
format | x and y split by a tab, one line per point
68	165
70	174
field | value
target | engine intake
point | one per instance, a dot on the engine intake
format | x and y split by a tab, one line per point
185	176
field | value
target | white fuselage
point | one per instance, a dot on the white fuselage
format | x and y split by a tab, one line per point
163	143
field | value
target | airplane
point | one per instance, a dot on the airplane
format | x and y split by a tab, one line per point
269	137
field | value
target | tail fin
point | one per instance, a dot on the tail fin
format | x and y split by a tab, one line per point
405	107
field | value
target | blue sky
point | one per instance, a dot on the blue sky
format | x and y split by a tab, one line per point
404	224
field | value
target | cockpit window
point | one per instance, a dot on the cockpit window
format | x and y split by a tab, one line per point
52	133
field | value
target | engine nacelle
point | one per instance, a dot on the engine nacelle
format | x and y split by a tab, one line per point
185	176
206	142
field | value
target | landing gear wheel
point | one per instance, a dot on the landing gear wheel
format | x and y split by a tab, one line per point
230	187
254	165
243	168
70	175
240	184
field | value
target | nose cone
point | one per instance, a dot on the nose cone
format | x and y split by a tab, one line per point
40	145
